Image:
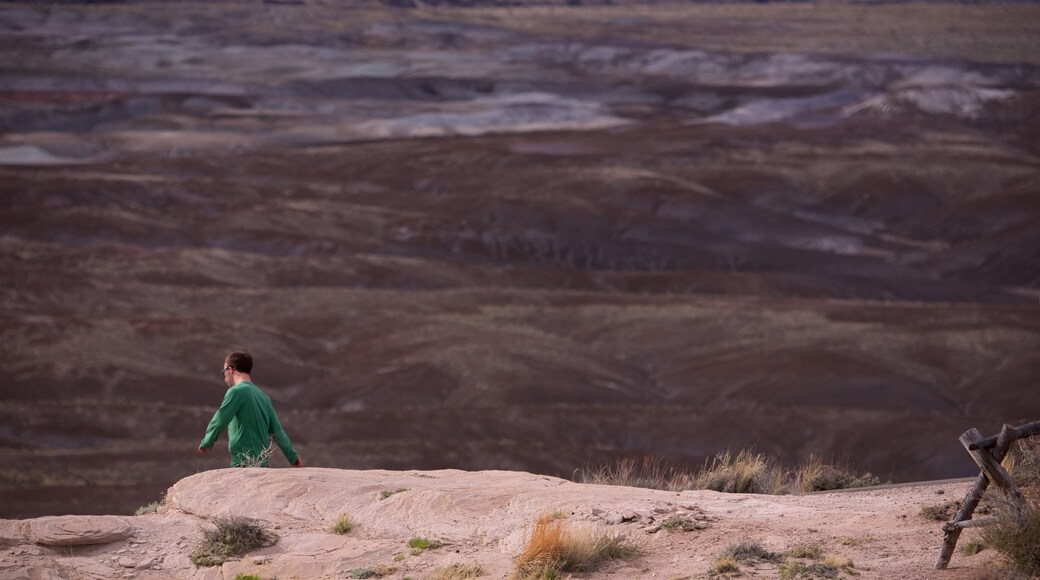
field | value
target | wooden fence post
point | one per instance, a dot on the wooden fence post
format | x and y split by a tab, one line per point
952	530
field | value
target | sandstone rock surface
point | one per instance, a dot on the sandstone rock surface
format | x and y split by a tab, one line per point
482	518
79	530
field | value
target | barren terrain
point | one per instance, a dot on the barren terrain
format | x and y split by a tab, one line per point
525	237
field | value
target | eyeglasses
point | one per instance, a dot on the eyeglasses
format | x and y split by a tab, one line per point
226	369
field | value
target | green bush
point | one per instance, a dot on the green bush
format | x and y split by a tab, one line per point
420	545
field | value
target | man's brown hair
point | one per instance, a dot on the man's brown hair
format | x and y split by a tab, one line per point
241	362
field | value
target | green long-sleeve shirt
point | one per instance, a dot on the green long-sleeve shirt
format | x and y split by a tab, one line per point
250	420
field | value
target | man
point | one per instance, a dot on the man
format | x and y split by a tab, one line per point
248	416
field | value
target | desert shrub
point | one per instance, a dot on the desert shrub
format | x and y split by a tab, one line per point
343	525
750	552
457	572
724	565
745	472
555	548
811	552
941	512
840	563
150	508
387	493
1016	538
815	475
233	537
364	572
419	545
244	576
676	523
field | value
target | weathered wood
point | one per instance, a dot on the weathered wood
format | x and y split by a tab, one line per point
970	523
971	500
991	466
1019	432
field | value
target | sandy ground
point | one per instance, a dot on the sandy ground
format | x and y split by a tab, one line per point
485	518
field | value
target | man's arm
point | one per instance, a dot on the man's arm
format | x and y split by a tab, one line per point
280	437
221	419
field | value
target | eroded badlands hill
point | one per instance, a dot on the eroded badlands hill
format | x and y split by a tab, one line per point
517	238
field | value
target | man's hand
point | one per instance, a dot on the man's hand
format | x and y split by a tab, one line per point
204	450
299	462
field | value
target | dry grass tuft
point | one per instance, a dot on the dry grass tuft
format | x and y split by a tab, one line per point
745	472
1017	539
648	472
457	572
389	492
233	537
725	566
261	460
554	548
343	525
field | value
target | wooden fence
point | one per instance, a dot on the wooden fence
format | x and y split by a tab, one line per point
987	452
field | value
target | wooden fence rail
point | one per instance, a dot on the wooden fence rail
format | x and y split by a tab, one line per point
987	452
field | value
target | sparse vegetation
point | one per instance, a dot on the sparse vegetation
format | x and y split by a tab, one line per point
744	472
151	508
244	576
972	547
233	537
795	569
811	552
555	548
815	475
648	472
840	563
419	545
1017	539
820	565
364	572
387	493
343	525
675	523
857	541
725	565
830	567
750	552
941	512
457	572
261	460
